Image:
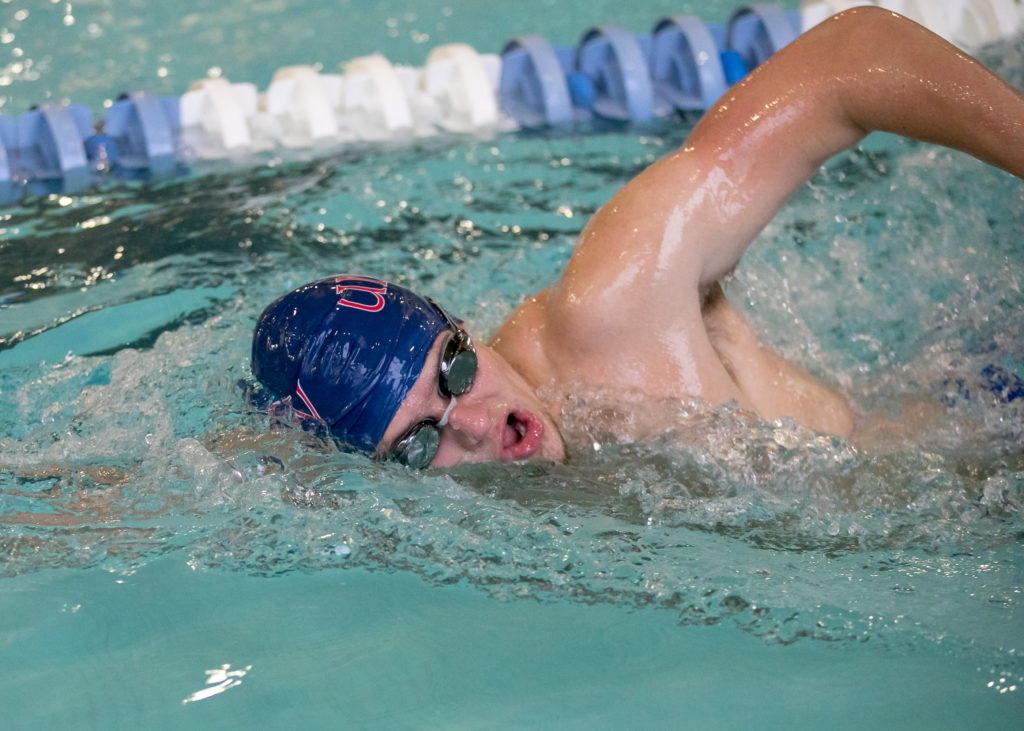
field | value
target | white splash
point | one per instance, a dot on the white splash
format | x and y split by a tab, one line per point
218	680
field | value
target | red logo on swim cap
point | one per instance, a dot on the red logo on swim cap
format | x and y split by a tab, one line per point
377	292
307	402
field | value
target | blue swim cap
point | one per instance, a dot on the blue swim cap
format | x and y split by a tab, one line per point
346	350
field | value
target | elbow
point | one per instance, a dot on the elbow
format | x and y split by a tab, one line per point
869	29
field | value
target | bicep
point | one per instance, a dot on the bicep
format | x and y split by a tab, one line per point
685	221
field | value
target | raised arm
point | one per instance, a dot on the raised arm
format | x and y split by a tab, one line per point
686	220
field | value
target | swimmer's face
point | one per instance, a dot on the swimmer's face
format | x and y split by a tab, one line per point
500	418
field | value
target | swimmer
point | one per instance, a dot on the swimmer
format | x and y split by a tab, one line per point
638	306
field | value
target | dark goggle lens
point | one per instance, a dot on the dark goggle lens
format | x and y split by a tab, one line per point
458	370
418	448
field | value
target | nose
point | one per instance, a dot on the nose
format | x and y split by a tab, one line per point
468	421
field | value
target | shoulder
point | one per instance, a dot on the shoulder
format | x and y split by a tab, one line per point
522	340
550	337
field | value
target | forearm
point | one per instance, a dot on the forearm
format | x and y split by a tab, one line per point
863	70
893	75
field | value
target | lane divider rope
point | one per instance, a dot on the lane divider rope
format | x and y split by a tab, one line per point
682	66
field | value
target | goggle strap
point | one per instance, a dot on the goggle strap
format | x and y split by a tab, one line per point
444	419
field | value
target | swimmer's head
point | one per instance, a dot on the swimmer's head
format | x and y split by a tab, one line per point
346	350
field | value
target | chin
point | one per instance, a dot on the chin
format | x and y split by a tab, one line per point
554	448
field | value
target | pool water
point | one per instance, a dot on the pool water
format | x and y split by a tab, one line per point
160	569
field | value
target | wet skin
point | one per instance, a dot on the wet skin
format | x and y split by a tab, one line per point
638	303
500	419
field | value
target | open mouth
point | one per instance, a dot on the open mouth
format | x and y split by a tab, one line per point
522	435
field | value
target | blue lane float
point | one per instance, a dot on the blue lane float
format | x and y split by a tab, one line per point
534	86
10	190
143	131
684	65
51	147
615	60
757	31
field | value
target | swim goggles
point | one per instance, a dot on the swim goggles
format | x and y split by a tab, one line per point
418	446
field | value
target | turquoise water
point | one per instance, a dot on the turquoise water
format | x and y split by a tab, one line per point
160	571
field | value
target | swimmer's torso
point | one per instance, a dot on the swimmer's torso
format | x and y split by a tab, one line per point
597	351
